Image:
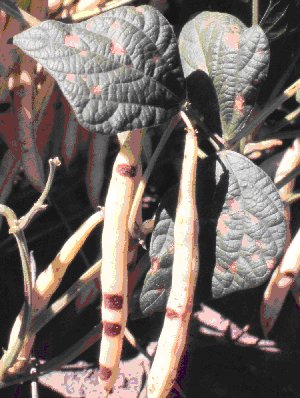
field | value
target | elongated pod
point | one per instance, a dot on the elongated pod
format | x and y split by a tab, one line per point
114	276
184	275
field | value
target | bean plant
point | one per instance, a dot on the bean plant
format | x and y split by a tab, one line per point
221	228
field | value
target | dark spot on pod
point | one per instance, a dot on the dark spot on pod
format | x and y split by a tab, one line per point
289	274
172	314
111	329
126	171
104	372
113	301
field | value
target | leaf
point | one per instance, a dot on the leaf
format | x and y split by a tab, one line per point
234	57
119	70
242	232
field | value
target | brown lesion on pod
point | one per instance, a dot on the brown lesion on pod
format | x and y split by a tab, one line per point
113	301
126	170
104	373
111	329
172	314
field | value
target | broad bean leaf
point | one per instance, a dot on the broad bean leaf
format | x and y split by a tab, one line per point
234	57
242	232
119	70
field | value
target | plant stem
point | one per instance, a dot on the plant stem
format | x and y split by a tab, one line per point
255	12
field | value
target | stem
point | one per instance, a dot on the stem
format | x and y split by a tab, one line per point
255	12
17	338
39	205
266	111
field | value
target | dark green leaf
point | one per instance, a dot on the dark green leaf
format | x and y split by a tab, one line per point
242	232
119	70
234	57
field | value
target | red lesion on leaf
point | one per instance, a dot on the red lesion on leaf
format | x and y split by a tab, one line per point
208	21
96	90
115	25
155	58
117	49
71	77
126	170
72	41
253	219
255	257
245	241
155	264
271	263
140	9
259	244
111	329
234	205
239	104
113	301
256	82
83	53
219	268
232	40
104	372
222	227
233	267
90	25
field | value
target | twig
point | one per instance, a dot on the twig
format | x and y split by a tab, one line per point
39	205
269	108
49	280
255	12
184	276
114	275
22	323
